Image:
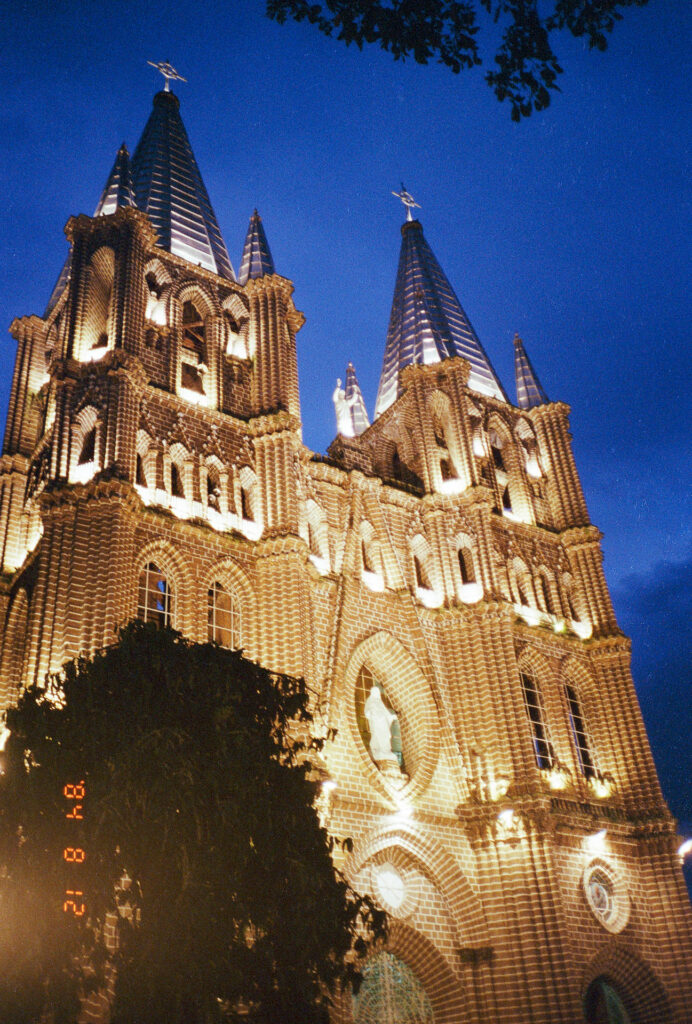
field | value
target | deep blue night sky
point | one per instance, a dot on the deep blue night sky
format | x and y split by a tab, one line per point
572	228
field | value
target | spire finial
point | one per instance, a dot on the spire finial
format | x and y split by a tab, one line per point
408	201
168	72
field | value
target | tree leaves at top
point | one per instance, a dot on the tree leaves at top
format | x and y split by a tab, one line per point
446	30
203	850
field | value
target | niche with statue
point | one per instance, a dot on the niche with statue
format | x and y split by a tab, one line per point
380	726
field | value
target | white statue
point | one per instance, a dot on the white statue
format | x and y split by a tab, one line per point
380	720
342	408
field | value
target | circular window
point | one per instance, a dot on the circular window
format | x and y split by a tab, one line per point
390	885
607	898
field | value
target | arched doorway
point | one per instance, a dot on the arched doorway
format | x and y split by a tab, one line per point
603	1004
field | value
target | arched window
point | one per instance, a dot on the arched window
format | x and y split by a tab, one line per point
533	702
573	612
496	446
368	561
177	489
580	736
213	488
466	565
193	350
223	617
246	504
421	573
506	500
140	477
88	450
543	593
99	301
156	596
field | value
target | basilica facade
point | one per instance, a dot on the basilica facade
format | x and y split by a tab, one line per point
434	577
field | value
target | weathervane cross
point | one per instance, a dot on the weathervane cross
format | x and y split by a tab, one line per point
408	201
168	72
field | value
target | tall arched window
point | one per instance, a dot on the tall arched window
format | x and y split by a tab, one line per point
156	596
421	573
466	566
177	489
368	561
543	593
580	736
533	702
193	350
223	617
88	451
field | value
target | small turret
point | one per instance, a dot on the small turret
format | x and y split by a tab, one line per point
257	259
118	190
354	396
529	390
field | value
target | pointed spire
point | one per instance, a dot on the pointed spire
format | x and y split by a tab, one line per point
529	390
427	323
169	188
118	190
354	397
257	259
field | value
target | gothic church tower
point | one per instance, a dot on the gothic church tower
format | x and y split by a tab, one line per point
435	578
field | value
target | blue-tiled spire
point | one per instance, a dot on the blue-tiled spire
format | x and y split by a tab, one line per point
529	390
427	323
118	190
169	188
257	259
354	398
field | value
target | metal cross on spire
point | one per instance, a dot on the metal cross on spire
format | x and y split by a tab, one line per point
168	72
408	201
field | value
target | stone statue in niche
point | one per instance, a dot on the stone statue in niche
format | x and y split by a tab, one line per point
342	408
382	722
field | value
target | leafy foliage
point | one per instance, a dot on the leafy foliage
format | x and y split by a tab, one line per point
446	31
203	849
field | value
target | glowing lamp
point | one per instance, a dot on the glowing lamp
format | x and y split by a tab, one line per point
557	778
506	818
454	486
373	581
429	598
321	564
684	850
471	593
596	841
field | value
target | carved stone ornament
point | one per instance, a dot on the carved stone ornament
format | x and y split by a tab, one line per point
212	445
178	432
246	455
145	422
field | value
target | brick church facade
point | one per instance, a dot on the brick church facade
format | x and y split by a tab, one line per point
435	578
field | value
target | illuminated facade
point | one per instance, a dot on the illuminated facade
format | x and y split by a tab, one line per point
435	578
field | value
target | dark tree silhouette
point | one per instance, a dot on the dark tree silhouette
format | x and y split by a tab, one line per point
446	30
203	853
